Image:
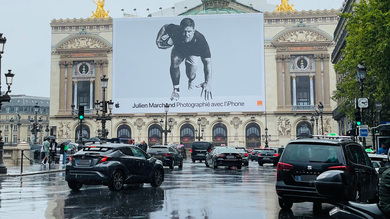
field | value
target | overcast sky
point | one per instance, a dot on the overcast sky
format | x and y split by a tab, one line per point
26	25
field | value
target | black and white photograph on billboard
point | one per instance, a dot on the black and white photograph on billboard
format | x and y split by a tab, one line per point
193	63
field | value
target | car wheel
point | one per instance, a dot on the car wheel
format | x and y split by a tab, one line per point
285	204
239	167
215	165
157	177
207	164
117	181
260	163
317	207
181	164
172	165
246	163
74	185
193	161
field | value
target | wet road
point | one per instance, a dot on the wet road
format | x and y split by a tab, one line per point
193	192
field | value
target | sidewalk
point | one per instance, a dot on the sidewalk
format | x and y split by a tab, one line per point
36	168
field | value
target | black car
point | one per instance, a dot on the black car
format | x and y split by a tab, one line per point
224	156
168	154
254	154
269	155
199	149
303	160
113	165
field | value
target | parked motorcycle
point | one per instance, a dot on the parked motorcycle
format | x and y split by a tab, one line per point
331	184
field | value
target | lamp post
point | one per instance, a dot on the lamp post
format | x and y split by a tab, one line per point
266	137
312	124
35	123
199	130
11	123
361	73
316	115
167	123
4	98
321	109
19	124
105	108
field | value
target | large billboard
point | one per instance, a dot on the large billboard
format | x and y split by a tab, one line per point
204	63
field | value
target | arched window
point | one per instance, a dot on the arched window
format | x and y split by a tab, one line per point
85	133
155	135
187	135
304	129
253	135
124	131
220	134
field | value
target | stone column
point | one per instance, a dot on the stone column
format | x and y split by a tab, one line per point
287	81
294	90
91	102
280	80
75	94
319	80
61	92
69	86
325	71
311	91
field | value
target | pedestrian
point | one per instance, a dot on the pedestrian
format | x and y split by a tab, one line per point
384	189
143	146
53	150
183	150
383	149
46	145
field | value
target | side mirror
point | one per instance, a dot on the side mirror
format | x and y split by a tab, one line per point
331	184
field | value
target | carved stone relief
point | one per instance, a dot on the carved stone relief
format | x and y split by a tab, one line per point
139	123
64	130
301	36
284	126
236	122
82	43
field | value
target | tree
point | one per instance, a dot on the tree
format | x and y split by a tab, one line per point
368	42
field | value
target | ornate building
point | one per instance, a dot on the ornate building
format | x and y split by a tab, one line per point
298	73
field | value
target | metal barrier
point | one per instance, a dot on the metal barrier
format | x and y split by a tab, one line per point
21	160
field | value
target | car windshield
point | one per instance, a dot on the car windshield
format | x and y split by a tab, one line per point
201	145
158	149
267	151
226	150
312	153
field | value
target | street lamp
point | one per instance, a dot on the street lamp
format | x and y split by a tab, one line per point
11	122
312	124
19	124
199	130
321	109
4	98
167	123
34	123
105	107
361	73
316	116
266	137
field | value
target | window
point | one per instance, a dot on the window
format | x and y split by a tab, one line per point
137	152
127	151
253	135
124	131
303	90
357	155
5	139
6	128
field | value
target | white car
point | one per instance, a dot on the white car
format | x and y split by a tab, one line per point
378	160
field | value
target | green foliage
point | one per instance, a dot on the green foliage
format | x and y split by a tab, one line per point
368	42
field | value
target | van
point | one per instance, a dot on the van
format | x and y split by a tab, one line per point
199	149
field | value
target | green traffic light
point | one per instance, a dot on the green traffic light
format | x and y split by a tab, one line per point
358	123
81	117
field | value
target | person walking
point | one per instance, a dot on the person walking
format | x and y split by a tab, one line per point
46	145
53	150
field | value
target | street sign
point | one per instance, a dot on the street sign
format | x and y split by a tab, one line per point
363	131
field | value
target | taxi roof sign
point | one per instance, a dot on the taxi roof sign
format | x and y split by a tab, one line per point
333	134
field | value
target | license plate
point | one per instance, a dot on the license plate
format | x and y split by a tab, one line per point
201	154
230	157
158	156
305	177
83	162
265	158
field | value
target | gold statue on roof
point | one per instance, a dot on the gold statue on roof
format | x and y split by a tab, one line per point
285	6
100	12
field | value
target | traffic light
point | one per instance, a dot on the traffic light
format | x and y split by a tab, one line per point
358	118
81	112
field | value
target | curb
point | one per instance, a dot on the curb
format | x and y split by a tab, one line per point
31	173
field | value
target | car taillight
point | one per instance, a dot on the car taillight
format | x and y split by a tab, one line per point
70	158
276	155
284	167
209	150
103	159
220	155
191	150
246	154
258	154
339	168
166	155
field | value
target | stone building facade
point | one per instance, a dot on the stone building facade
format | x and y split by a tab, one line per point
298	73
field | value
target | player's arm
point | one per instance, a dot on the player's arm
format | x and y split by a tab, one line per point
206	85
163	40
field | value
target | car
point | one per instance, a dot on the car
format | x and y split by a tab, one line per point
199	149
244	155
168	154
254	154
113	165
304	159
36	151
378	161
223	156
269	155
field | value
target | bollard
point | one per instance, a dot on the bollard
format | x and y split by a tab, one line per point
21	161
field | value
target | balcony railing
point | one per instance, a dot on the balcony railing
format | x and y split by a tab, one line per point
304	108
